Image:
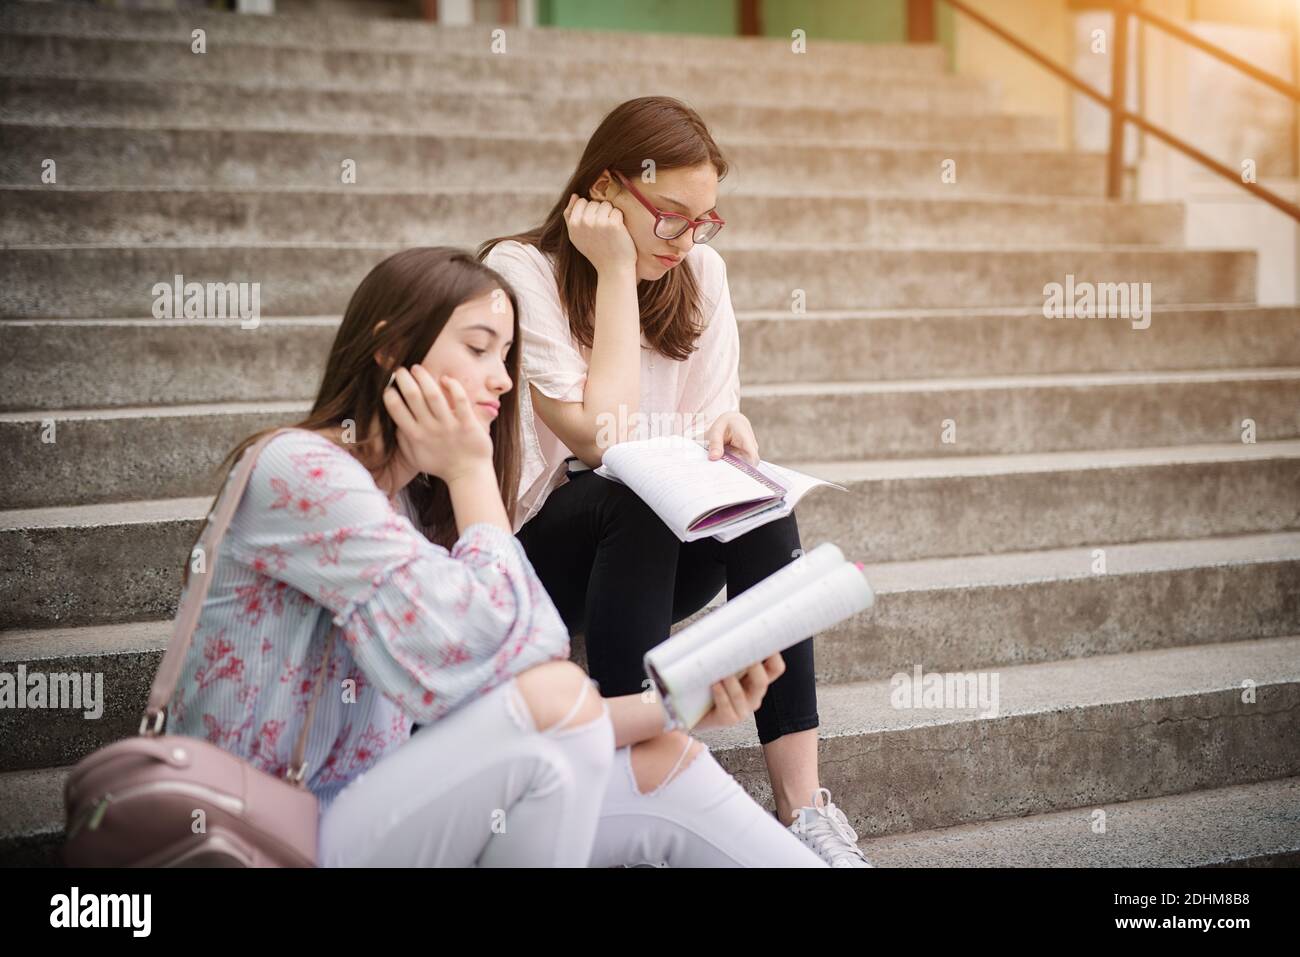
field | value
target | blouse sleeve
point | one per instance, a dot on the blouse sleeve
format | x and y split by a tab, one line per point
430	628
714	379
551	360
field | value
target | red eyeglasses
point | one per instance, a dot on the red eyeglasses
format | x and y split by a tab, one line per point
672	225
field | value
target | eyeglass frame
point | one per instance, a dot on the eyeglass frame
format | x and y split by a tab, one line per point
660	215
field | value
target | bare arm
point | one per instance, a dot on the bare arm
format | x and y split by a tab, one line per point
476	498
614	370
735	698
634	719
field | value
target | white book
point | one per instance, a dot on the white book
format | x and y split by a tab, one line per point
697	497
814	592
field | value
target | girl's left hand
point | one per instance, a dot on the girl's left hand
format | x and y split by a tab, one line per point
732	429
737	697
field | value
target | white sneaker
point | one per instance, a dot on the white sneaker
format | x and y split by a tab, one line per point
824	828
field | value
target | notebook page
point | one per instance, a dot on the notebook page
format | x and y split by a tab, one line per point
677	479
798	483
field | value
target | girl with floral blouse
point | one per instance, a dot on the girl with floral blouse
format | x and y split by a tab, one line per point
383	519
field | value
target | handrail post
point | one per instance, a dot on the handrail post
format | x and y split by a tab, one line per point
1118	106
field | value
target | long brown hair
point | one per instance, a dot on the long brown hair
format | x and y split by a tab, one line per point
658	128
413	293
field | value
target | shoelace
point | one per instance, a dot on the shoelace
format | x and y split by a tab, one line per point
831	818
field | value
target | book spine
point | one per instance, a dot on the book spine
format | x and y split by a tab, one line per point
753	473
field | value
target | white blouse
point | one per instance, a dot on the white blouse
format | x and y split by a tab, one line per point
683	397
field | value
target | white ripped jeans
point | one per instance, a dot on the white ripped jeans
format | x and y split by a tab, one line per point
484	787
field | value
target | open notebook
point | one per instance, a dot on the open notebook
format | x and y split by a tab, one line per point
696	497
814	592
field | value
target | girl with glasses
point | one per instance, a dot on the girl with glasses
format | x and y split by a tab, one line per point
626	320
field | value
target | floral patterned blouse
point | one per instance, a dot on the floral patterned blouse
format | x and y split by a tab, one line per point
315	544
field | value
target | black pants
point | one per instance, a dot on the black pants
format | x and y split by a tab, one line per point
617	574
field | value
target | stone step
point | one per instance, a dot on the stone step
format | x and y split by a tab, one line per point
174	450
1241	825
31	215
1068	735
1104	730
84	363
879	345
31	815
135	550
996	610
121	559
479	71
216	157
84	102
1013	414
127	656
294	280
904	509
1254	825
133	452
126	557
330	33
973	613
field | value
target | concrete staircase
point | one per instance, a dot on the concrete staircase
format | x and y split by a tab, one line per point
1120	691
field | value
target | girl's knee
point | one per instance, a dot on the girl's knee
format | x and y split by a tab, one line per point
552	690
658	760
624	505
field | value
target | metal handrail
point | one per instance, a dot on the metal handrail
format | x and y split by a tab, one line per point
1120	116
1180	32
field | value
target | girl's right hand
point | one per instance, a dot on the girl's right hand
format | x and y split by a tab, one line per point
596	228
437	431
736	698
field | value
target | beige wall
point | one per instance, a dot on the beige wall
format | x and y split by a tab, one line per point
1249	13
1026	86
1046	25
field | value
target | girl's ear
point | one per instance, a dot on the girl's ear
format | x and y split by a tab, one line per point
603	187
385	363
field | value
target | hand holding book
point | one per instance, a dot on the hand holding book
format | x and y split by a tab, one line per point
738	696
732	432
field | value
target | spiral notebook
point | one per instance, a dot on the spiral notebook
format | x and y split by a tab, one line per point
697	497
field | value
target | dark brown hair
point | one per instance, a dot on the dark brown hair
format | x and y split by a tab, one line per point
673	135
414	293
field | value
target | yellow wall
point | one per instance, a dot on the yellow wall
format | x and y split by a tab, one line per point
1026	86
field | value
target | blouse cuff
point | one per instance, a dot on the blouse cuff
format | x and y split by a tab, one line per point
484	536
